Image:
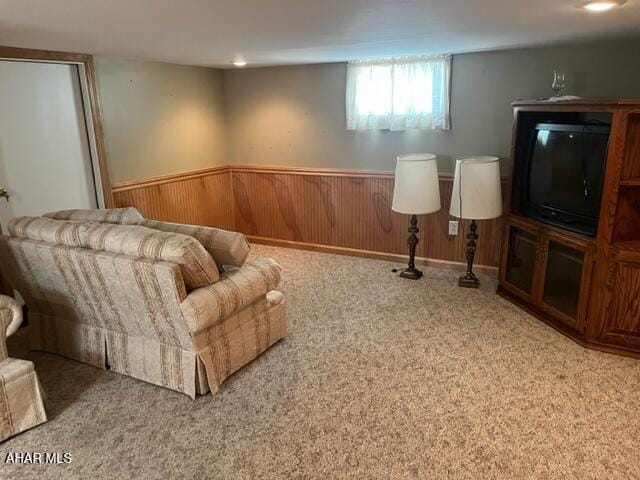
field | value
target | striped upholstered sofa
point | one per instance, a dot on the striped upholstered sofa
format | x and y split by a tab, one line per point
174	305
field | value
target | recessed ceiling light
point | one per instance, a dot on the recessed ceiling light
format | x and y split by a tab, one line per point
601	5
239	63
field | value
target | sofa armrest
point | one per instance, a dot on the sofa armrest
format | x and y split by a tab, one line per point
236	289
10	320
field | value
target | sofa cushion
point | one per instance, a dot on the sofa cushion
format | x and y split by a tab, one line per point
199	269
47	230
119	216
226	248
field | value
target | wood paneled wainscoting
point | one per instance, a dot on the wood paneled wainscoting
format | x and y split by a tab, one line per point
201	197
340	211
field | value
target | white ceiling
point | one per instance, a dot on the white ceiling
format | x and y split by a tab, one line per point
275	32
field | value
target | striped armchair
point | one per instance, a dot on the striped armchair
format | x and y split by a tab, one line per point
21	397
173	305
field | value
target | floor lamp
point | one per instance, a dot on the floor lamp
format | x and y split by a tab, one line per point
476	196
415	192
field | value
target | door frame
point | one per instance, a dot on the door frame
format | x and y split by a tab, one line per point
91	103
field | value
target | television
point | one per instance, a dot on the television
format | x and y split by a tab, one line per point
564	174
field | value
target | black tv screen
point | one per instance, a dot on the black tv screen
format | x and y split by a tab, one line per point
565	175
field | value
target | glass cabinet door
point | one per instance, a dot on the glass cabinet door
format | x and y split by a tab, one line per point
563	278
548	270
521	258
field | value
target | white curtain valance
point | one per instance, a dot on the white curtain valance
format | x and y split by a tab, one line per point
399	93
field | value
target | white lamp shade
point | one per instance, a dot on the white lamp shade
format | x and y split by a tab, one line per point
477	194
416	190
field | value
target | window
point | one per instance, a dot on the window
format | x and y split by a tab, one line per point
399	93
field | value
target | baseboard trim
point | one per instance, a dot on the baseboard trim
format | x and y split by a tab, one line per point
355	252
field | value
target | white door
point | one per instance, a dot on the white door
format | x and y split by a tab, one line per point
45	155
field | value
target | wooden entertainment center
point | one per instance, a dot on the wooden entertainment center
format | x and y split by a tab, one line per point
586	287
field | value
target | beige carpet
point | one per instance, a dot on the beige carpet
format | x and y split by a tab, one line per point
380	377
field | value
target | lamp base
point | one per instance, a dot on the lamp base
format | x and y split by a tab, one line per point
411	273
469	281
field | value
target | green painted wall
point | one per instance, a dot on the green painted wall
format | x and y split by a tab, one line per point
296	115
160	118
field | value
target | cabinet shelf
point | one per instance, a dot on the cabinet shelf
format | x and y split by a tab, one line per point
538	225
630	182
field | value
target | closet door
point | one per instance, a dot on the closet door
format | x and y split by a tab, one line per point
45	156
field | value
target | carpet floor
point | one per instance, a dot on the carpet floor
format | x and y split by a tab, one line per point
380	377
